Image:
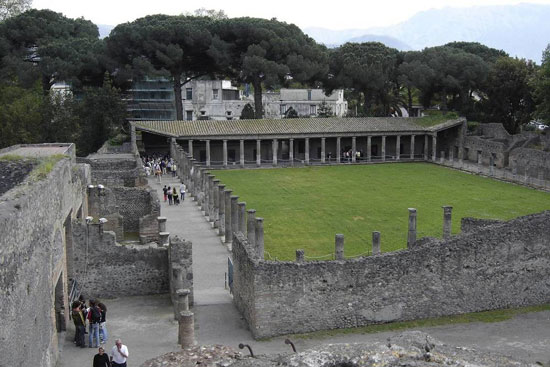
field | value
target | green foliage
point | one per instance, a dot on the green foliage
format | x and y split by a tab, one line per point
10	8
248	112
45	166
324	110
314	203
541	88
435	118
291	113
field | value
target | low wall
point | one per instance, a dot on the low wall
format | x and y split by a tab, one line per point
135	203
445	278
530	162
108	269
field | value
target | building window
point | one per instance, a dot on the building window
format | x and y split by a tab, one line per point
189	115
228	113
188	93
309	94
215	94
312	109
283	109
203	113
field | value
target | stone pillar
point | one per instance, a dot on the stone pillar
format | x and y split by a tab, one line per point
375	243
383	148
216	197
164	236
291	151
242	217
241	152
190	147
228	235
434	147
323	153
221	209
447	223
300	256
211	194
398	147
234	215
258	152
412	146
251	227
369	148
442	156
162	224
353	148
339	247
208	153
307	150
275	146
491	165
425	147
225	153
182	299
338	149
451	154
186	330
411	238
461	136
260	238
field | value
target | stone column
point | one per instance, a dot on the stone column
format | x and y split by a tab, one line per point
307	150
228	236
411	238
234	215
225	153
426	147
182	299
461	136
300	256
190	147
221	209
208	153
491	165
447	223
260	238
375	243
434	147
164	237
369	148
242	217
211	194
323	154
338	149
398	147
451	154
412	146
241	152
186	335
339	247
216	197
353	149
251	227
162	224
258	152
275	146
383	148
291	151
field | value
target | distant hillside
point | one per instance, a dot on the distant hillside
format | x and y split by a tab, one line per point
522	30
387	40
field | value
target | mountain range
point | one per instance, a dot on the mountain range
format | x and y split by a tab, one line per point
522	30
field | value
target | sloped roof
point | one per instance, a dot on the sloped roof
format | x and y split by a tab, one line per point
300	126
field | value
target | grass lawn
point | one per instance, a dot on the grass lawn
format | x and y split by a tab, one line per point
303	208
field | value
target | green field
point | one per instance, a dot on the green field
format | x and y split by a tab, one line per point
303	208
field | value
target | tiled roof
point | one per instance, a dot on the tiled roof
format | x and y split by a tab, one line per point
300	126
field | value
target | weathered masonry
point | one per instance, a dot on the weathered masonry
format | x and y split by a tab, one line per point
289	142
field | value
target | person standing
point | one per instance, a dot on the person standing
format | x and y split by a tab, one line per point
79	324
101	359
94	318
119	354
165	191
103	335
182	192
169	193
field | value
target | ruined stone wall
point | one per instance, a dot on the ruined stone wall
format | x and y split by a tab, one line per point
33	260
116	171
446	278
108	269
494	130
475	144
134	203
530	162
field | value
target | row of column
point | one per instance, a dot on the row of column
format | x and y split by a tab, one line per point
275	146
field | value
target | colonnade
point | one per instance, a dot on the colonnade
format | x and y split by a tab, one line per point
297	150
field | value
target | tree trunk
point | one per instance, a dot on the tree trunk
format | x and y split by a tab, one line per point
177	97
444	101
257	84
366	104
409	94
46	85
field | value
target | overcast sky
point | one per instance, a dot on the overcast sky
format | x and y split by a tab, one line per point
335	14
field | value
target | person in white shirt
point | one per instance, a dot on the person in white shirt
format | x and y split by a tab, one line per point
119	354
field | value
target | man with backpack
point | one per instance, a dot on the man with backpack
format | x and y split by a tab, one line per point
94	318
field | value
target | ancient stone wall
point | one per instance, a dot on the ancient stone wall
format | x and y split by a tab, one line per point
108	170
478	149
35	242
493	130
530	162
445	278
134	203
108	269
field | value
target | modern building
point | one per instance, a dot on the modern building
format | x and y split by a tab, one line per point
151	99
